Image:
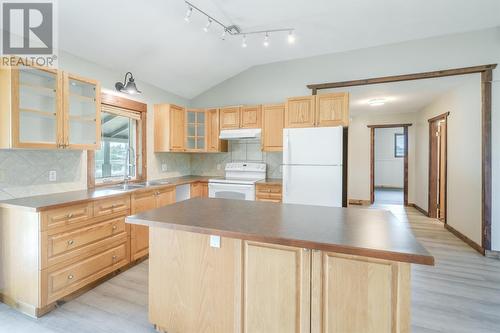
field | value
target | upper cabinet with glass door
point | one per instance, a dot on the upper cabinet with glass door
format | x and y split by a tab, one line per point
82	110
196	129
37	110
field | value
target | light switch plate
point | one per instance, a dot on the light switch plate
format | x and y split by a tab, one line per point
164	167
214	241
219	166
52	175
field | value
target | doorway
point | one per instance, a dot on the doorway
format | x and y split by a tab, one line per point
396	143
438	141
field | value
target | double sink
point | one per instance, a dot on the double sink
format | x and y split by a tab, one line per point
134	186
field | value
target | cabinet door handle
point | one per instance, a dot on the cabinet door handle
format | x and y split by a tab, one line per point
70	277
114	257
71	242
70	215
114	227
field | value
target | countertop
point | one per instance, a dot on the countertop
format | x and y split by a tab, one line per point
50	201
365	232
271	181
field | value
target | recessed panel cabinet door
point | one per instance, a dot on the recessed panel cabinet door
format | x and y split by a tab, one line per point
177	128
300	112
273	119
359	294
251	116
276	288
229	117
139	235
332	109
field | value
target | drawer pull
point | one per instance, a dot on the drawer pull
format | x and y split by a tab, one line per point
70	277
114	227
114	257
70	215
71	242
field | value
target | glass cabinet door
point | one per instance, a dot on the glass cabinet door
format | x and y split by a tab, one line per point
36	105
82	113
196	130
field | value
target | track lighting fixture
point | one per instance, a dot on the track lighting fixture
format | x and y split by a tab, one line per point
233	30
189	12
266	40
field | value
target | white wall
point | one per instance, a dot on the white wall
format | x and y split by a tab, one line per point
389	170
464	156
359	151
275	82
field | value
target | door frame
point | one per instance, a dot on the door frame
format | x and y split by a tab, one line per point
372	159
486	72
443	116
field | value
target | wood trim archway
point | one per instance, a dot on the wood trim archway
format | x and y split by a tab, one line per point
372	159
486	72
124	103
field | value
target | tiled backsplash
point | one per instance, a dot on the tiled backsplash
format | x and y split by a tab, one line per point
249	151
26	172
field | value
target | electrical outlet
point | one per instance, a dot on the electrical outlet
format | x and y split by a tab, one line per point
219	166
281	168
52	175
164	167
214	241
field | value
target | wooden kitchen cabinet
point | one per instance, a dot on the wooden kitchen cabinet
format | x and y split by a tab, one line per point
276	288
196	139
169	128
268	192
47	108
251	116
229	117
300	112
318	111
214	144
140	202
273	120
332	109
196	190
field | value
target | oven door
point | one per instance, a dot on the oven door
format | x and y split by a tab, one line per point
231	191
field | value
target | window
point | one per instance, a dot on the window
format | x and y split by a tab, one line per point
118	156
399	145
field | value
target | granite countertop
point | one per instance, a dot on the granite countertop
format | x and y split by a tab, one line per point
366	232
50	201
271	181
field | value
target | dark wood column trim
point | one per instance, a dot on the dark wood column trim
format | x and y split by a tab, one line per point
441	116
486	78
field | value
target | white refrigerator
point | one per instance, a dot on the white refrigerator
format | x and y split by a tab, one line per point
312	166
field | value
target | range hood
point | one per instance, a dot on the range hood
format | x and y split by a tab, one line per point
241	134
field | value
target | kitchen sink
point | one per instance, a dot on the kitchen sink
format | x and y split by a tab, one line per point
157	182
127	187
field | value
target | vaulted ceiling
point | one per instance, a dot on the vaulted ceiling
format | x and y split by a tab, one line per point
151	38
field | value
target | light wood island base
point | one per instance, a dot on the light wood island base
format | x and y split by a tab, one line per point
248	286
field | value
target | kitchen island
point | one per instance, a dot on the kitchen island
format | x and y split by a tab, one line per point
220	265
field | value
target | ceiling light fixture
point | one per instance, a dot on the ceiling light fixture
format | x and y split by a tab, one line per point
189	12
234	30
376	102
244	42
266	40
127	87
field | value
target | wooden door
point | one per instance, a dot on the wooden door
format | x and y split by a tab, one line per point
332	109
214	144
37	108
165	196
229	117
437	168
196	190
359	294
177	128
276	288
139	235
82	113
300	112
251	116
204	190
273	119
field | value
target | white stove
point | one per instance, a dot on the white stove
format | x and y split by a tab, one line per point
239	182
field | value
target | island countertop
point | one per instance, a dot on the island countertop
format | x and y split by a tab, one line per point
365	232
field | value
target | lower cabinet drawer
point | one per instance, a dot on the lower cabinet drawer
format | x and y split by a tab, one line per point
66	216
63	246
269	200
59	283
112	206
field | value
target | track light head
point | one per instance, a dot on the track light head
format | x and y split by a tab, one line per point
266	40
291	37
189	12
244	42
209	23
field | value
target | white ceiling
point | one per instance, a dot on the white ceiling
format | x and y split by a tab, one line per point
402	97
151	38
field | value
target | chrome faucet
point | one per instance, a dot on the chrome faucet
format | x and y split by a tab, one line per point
126	175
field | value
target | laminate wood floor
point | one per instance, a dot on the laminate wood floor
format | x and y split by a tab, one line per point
460	294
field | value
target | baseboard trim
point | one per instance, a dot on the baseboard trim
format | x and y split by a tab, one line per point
492	254
359	202
464	238
420	209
